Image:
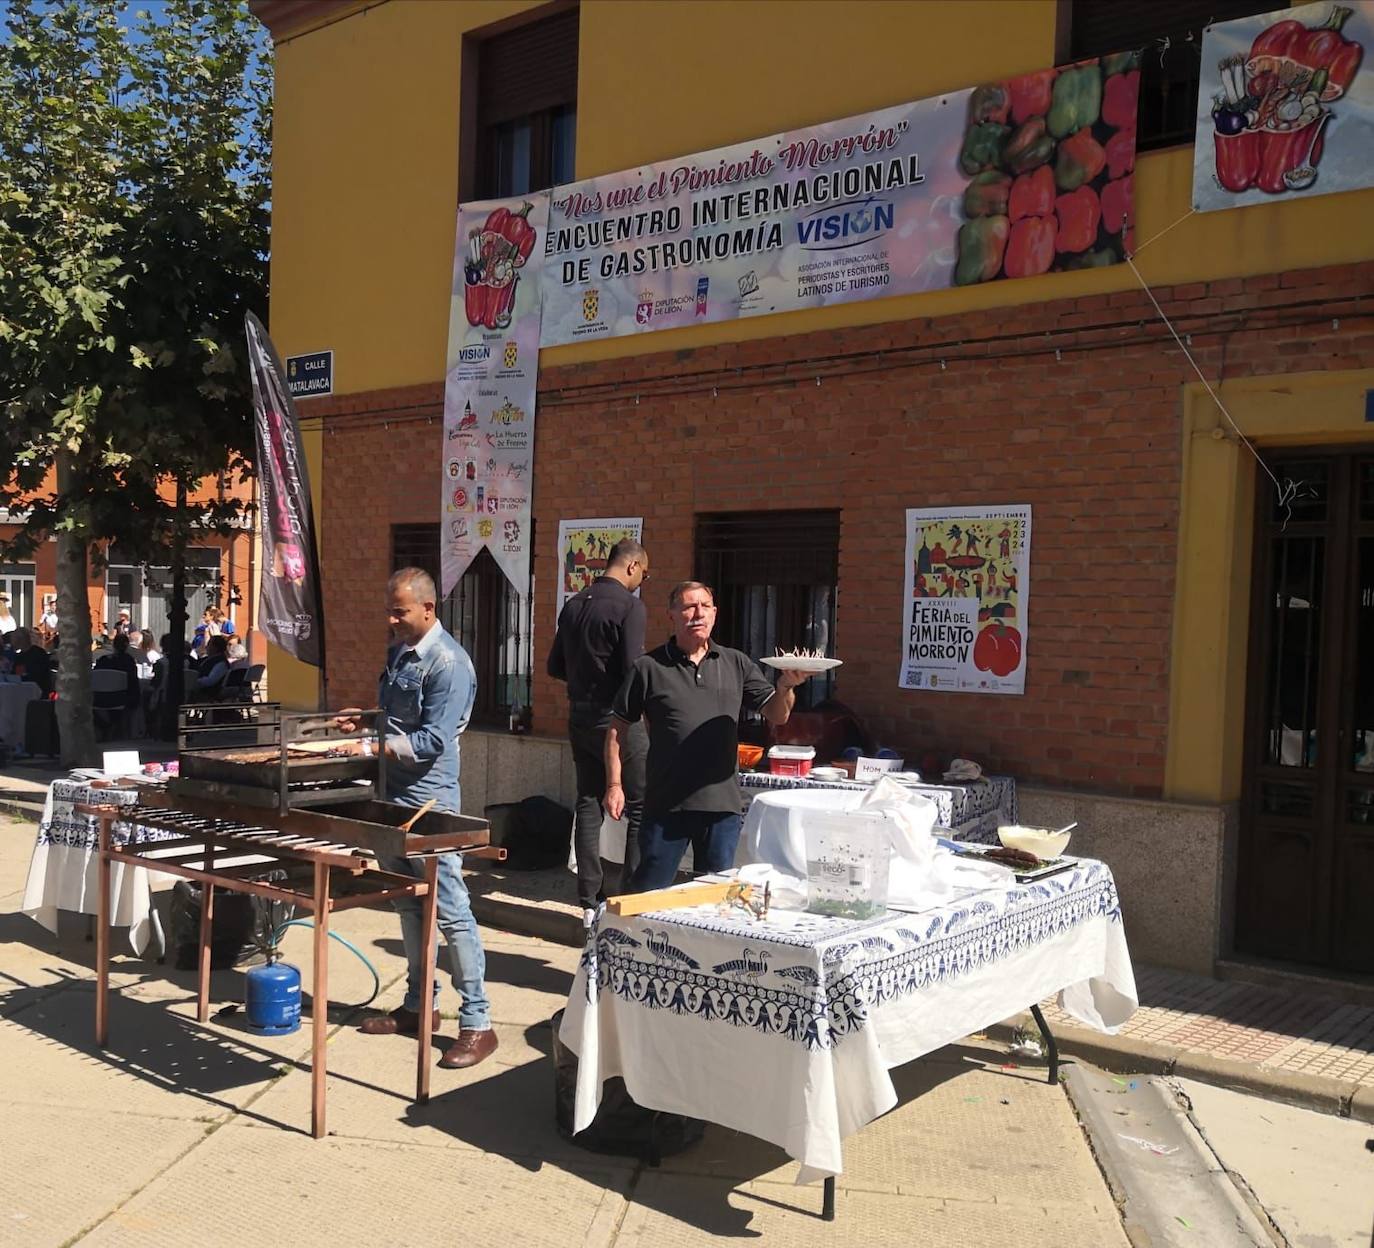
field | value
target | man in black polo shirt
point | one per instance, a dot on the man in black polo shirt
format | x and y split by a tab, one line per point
691	692
600	634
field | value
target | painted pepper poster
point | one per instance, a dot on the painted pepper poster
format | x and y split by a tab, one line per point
1285	106
967	586
1007	179
489	387
584	548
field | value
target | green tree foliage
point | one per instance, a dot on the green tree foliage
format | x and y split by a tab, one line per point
134	195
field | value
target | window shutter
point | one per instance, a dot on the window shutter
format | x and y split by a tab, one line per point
1100	27
528	69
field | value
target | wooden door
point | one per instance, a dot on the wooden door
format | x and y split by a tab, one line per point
1306	862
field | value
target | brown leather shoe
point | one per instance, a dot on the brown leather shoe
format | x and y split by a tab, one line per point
400	1022
470	1048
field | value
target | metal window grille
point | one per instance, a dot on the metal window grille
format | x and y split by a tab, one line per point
1169	76
485	614
774	574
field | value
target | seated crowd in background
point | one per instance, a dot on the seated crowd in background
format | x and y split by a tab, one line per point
21	656
120	660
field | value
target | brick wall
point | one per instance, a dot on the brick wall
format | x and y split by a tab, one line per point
1072	406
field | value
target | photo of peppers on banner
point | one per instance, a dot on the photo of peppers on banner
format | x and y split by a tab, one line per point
1050	156
1284	107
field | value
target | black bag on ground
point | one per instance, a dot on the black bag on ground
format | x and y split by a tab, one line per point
620	1127
40	728
231	930
535	832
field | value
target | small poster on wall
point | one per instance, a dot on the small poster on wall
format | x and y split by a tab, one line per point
1285	106
584	546
967	586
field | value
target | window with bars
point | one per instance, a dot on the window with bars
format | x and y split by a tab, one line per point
485	614
1169	74
526	103
774	574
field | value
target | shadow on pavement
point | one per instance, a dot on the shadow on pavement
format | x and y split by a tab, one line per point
511	1113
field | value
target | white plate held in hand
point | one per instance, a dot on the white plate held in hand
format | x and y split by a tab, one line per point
786	663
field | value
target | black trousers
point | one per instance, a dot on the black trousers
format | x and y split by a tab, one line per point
588	739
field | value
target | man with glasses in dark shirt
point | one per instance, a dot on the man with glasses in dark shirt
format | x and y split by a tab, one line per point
691	692
600	635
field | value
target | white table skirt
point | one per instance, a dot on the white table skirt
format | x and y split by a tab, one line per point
787	1029
64	872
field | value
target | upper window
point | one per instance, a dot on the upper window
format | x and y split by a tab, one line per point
1169	72
527	107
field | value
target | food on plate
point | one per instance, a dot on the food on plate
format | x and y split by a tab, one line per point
1042	842
1010	857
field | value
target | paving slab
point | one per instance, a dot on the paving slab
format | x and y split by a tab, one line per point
1309	1171
670	1209
65	1166
245	1186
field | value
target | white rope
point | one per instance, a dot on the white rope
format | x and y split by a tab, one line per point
1287	490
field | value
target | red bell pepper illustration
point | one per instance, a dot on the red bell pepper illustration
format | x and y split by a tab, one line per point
1271	117
1032	194
1120	149
496	251
1079	213
1030	250
1120	95
1031	95
1117	212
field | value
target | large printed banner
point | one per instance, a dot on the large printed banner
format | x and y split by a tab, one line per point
1007	179
292	613
583	548
1285	107
967	586
489	390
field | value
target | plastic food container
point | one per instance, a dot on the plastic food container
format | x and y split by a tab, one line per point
749	756
791	760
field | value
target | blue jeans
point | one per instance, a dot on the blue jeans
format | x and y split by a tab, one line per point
663	839
459	930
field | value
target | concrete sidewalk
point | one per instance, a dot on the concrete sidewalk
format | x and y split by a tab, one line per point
190	1134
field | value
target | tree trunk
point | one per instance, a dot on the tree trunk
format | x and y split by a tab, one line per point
74	719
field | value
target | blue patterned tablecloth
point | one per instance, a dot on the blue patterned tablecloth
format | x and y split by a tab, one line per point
972	811
63	871
787	1028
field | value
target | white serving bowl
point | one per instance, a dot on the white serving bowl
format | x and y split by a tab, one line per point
1042	842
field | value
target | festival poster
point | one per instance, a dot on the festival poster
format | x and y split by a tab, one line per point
967	587
1007	179
489	388
584	547
1285	108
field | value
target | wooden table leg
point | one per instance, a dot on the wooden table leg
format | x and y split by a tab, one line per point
429	944
102	934
207	924
319	1008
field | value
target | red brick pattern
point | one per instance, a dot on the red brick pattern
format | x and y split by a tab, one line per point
1073	406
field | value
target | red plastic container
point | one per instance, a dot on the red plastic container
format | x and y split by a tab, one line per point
791	760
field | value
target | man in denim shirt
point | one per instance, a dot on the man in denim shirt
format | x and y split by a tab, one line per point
427	691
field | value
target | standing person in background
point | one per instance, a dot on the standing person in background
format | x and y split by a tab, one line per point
427	690
691	692
600	634
7	622
47	622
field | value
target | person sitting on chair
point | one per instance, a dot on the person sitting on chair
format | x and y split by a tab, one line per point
120	660
212	669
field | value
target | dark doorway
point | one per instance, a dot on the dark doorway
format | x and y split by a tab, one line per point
1306	862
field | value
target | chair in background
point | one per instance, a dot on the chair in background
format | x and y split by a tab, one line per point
109	696
235	687
254	681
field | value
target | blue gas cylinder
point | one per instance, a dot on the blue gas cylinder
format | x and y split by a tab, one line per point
273	998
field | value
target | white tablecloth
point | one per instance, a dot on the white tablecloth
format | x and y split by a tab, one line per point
972	811
786	1029
64	869
14	698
